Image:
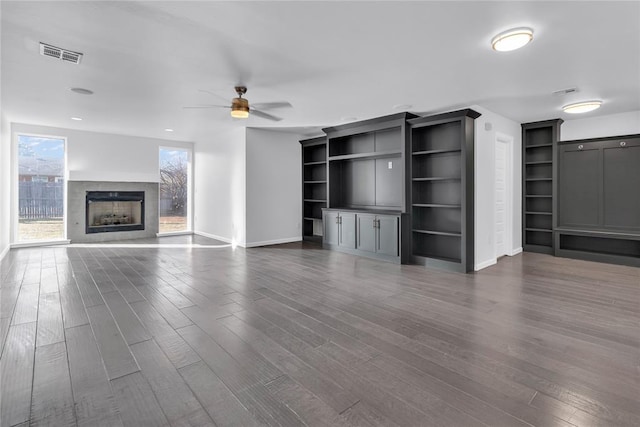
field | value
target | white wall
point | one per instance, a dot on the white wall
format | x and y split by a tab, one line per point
274	187
596	127
220	186
93	156
5	185
484	185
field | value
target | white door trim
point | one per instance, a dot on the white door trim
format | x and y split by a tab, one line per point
509	193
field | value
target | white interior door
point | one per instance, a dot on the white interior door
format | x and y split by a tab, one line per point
501	197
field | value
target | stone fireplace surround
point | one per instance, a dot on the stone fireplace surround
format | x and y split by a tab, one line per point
76	216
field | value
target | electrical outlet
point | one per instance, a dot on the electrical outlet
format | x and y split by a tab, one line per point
390	165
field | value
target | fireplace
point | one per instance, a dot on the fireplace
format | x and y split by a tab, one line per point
114	211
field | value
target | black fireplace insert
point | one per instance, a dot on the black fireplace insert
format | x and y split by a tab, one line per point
108	211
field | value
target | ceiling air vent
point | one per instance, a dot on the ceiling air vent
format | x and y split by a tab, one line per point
61	54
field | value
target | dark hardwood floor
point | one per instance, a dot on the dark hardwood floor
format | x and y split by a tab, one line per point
295	335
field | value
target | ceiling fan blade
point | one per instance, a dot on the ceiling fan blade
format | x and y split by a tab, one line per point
212	94
268	105
264	115
208	106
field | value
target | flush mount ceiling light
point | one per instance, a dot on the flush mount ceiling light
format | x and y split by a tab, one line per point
81	91
581	107
512	39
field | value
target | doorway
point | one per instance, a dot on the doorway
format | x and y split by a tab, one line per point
40	188
503	195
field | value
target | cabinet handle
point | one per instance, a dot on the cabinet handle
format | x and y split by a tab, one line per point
337	220
623	144
580	147
374	223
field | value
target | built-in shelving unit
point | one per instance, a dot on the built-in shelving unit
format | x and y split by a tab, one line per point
441	183
314	187
539	140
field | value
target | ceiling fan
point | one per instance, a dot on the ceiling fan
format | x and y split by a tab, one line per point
240	106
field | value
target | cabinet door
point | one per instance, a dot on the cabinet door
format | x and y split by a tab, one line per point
388	235
621	184
579	186
366	232
347	230
331	227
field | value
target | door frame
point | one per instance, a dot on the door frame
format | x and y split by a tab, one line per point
15	190
508	141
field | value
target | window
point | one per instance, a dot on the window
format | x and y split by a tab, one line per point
175	181
41	166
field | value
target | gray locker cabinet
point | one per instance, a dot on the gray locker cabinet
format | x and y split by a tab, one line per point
599	200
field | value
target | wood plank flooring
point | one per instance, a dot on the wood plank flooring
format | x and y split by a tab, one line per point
293	335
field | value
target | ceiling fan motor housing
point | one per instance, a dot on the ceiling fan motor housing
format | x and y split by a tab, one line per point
240	104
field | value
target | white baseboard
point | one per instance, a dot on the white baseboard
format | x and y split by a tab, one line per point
212	236
486	264
515	251
35	244
274	242
174	233
4	252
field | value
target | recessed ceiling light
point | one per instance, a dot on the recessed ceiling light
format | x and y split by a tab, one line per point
76	119
512	39
582	107
168	130
81	91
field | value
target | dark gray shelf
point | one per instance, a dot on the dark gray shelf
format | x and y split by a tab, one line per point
435	205
314	163
314	201
369	155
314	182
539	196
437	178
422	153
307	218
439	233
538	179
538	145
539	229
545	162
538	213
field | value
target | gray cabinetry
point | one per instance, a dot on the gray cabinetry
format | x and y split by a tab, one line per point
339	229
314	187
599	200
442	186
539	182
363	233
378	234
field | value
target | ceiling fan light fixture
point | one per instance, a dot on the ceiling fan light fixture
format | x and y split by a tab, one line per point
582	107
239	108
512	39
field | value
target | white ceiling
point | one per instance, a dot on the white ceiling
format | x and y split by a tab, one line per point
331	60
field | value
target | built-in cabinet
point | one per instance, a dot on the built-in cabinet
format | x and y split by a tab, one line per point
314	187
442	182
599	199
363	233
539	184
398	188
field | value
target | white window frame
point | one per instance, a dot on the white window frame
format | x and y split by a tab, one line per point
189	150
15	187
